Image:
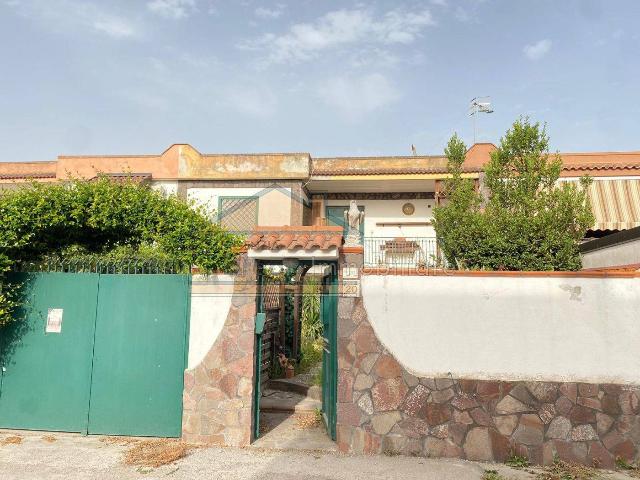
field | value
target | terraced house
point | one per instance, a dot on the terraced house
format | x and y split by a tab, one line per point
396	193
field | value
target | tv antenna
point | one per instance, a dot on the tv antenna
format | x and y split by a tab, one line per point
479	105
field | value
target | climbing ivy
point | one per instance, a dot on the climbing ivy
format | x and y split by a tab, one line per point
106	218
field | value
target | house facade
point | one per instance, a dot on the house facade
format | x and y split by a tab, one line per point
396	193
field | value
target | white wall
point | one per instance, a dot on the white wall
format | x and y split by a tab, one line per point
379	211
166	187
510	328
210	304
614	255
274	207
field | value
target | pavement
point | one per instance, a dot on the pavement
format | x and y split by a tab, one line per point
284	431
75	457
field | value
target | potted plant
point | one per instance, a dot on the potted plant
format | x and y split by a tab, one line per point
288	365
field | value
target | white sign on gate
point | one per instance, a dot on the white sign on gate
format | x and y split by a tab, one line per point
54	320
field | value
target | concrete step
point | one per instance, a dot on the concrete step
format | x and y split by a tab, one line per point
296	386
287	402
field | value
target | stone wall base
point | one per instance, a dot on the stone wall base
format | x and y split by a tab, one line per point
382	408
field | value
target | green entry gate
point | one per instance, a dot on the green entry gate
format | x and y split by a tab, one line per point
329	315
116	366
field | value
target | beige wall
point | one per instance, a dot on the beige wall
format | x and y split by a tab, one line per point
274	206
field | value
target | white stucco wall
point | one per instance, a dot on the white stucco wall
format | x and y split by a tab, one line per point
612	256
166	187
274	207
210	304
510	328
380	211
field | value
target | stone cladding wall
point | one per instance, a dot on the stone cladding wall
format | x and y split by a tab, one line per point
383	408
218	393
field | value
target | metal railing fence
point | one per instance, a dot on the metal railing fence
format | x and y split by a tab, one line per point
422	252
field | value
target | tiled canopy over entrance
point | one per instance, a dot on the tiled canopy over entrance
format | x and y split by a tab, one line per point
295	241
294	238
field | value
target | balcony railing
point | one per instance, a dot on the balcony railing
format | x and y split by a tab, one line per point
409	252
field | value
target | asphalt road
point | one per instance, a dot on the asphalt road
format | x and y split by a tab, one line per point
72	457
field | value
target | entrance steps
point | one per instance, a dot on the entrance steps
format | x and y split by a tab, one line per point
292	395
276	401
296	385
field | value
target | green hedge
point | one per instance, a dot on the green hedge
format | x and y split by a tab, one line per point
109	219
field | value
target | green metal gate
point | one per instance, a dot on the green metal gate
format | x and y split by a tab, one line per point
329	312
115	367
45	378
139	355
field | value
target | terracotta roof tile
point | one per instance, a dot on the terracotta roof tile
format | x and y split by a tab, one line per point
295	237
20	176
123	177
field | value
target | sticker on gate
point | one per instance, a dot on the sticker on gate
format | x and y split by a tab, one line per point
54	320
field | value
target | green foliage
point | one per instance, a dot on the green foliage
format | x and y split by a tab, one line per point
526	221
311	321
107	220
311	351
623	464
492	475
311	345
517	461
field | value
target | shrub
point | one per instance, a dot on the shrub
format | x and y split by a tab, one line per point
526	221
109	220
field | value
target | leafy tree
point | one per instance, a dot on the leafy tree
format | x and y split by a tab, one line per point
106	219
525	220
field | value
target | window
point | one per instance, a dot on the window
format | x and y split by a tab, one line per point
238	214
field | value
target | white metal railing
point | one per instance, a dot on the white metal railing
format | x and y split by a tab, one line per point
402	252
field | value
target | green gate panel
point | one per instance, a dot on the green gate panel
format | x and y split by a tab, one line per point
139	355
329	312
46	382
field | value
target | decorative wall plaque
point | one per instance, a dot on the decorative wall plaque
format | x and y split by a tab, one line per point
408	208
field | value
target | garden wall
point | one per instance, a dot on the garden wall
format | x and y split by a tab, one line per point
210	304
217	399
479	367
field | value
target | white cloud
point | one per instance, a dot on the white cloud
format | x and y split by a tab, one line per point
64	15
536	51
114	27
265	12
356	96
340	28
175	9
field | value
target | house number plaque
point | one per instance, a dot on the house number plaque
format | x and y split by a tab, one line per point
350	288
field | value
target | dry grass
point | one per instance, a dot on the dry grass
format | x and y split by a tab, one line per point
264	426
307	421
560	470
11	440
155	453
49	438
122	441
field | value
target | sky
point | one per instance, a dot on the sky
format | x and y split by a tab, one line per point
327	77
